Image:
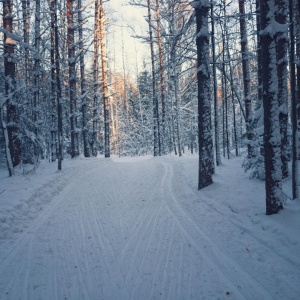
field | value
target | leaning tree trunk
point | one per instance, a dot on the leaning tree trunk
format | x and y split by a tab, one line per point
204	110
105	95
72	78
9	72
272	140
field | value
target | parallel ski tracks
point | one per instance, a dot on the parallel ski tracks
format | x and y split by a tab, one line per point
243	283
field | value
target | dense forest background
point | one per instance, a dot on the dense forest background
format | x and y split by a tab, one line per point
219	76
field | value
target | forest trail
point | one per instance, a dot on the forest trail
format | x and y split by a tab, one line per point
122	230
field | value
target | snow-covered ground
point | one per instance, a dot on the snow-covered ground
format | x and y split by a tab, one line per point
138	228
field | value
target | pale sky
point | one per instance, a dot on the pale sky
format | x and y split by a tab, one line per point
131	21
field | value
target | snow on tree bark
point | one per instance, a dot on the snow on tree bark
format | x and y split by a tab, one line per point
204	107
272	138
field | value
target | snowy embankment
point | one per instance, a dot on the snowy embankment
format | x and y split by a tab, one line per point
137	228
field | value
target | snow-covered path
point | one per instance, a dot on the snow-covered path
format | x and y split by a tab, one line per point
139	230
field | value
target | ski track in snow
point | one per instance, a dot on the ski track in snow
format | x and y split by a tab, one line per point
123	231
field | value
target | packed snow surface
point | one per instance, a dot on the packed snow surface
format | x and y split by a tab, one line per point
138	228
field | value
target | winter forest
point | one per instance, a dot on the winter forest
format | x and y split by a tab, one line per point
144	146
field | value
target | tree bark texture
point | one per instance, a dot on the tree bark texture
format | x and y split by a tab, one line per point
204	110
272	140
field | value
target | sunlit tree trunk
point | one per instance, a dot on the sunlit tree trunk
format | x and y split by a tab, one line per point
105	95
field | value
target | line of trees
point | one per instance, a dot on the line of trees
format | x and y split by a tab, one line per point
265	108
220	77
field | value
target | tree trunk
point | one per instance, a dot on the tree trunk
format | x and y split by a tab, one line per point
9	72
246	78
162	78
37	70
72	78
272	151
294	104
282	74
204	111
58	91
105	95
53	84
86	148
96	102
156	146
26	27
216	114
